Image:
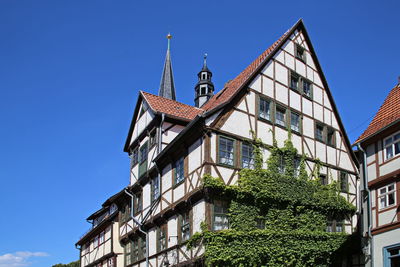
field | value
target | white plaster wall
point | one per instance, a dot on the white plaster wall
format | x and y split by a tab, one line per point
264	132
296	140
152	241
281	136
300	68
269	69
289	47
318	112
307	107
390	166
179	192
310	73
331	155
370	153
327	103
213	152
317	95
194	154
268	87
172	231
295	101
243	128
211	119
199	210
281	74
371	172
281	93
309	147
256	84
383	240
279	56
166	179
308	127
327	116
321	151
289	61
146	195
169	135
225	172
389	216
251	102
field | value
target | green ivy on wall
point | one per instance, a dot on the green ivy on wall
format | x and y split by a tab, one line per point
277	216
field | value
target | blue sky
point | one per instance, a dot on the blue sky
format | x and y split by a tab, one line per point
70	72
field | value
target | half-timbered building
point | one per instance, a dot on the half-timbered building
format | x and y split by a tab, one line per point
173	145
380	172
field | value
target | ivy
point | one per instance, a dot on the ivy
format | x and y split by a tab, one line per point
291	210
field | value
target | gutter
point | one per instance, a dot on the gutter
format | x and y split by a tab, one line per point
365	185
140	227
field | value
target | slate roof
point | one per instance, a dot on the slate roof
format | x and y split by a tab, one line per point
171	107
387	114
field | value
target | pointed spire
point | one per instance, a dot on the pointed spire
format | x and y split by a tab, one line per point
167	87
205	63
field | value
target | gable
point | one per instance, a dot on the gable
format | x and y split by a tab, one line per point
272	81
145	116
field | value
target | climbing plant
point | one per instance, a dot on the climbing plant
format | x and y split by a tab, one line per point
277	216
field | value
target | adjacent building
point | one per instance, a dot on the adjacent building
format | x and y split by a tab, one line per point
173	145
379	148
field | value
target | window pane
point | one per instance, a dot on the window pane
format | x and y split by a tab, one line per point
247	156
391	199
226	151
307	88
295	122
397	148
280	117
264	109
383	202
388	141
389	152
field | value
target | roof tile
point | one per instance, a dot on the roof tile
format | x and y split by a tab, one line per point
388	113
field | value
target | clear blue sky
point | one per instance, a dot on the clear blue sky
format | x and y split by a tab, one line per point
70	72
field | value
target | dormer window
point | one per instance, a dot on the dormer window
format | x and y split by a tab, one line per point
300	53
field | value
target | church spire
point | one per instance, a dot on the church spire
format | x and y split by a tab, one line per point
204	88
167	87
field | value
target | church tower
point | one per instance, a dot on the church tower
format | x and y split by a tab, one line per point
204	88
167	87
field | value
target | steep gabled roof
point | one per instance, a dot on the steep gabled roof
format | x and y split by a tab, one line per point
234	86
387	114
170	107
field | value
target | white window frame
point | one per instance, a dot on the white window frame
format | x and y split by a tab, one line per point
392	145
386	195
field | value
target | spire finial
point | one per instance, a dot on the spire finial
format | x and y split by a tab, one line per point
205	60
169	37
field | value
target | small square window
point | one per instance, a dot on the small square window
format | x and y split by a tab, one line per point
319	132
300	53
220	215
330	137
280	116
387	196
264	111
335	226
323	179
392	146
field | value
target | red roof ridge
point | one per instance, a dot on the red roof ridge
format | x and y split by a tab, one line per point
233	86
388	113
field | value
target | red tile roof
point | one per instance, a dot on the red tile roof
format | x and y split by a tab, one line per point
388	113
236	84
171	107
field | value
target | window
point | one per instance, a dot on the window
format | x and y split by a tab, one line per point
247	156
128	251
134	157
335	226
179	171
96	242
226	151
300	53
260	223
138	202
155	189
220	215
323	179
295	122
343	182
280	116
153	138
101	238
135	250
162	238
307	88
387	196
391	256
111	262
142	252
264	111
319	132
185	226
143	159
392	146
125	214
294	81
330	136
